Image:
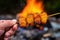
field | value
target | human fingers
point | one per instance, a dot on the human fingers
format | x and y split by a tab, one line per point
9	33
6	24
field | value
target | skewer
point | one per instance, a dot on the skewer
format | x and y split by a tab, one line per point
53	14
48	16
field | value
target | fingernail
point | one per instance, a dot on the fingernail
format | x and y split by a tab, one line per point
7	35
15	27
14	21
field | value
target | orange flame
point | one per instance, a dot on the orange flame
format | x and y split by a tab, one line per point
29	13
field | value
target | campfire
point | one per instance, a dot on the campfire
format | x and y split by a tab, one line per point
32	13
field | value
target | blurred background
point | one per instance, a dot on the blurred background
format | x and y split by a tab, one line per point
10	8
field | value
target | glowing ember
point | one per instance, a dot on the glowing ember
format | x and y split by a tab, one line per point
32	13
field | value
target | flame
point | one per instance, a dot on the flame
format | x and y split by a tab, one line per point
32	11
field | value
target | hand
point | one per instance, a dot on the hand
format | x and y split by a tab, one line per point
9	26
31	18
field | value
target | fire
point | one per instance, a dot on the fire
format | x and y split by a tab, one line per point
32	12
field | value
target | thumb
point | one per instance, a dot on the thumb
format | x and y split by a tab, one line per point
5	24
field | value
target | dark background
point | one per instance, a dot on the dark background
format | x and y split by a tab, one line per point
15	6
